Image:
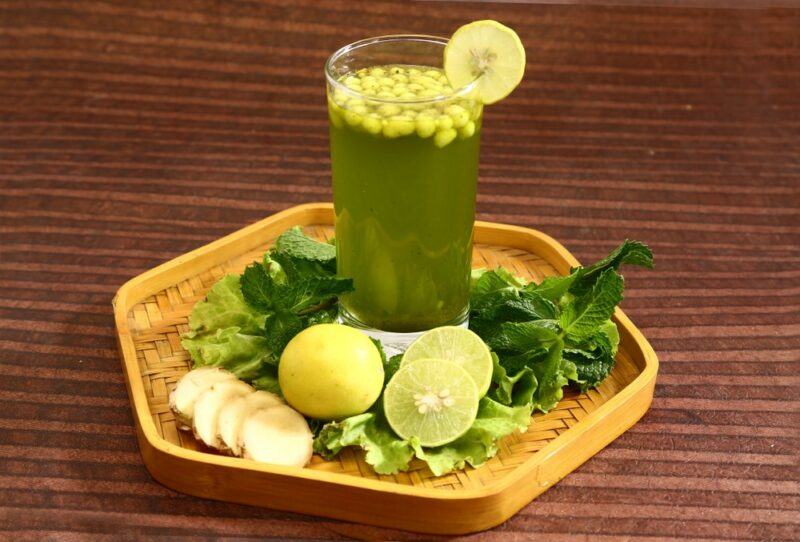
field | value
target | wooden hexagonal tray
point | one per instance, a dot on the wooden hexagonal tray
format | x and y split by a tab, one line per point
151	312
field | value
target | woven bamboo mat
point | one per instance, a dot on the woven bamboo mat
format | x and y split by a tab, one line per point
158	322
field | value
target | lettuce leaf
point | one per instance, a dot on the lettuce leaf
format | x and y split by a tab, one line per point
516	389
388	454
225	332
230	349
479	443
224	307
385	451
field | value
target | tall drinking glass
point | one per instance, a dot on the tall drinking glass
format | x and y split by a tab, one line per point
404	157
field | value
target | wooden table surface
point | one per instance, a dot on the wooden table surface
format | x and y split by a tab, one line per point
131	132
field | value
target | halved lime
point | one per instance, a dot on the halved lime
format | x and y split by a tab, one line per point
433	400
489	51
459	345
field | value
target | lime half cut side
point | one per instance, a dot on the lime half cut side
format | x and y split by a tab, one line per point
459	345
432	400
487	51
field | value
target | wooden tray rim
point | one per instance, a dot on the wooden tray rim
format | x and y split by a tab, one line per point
147	283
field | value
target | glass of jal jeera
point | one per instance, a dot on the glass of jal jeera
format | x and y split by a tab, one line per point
404	155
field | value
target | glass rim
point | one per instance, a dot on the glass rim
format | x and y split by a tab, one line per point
460	92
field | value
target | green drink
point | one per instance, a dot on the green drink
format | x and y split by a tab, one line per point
404	155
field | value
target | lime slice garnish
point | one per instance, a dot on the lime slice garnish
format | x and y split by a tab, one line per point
459	345
433	400
488	51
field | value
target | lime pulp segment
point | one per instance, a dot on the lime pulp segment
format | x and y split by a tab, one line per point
458	345
432	400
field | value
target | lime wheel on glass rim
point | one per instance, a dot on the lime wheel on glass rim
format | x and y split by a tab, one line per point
488	52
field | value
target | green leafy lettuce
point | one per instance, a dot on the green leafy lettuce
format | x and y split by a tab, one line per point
389	454
479	443
384	450
226	332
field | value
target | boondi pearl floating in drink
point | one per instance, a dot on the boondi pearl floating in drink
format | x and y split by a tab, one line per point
404	156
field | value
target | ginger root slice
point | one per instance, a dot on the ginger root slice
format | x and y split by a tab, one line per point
208	406
183	398
278	435
233	414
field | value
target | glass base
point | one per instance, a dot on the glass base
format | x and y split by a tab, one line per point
394	342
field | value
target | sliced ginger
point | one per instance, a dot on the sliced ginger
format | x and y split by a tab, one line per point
229	415
277	435
183	398
233	414
208	405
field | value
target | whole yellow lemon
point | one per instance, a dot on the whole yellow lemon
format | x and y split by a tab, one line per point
330	372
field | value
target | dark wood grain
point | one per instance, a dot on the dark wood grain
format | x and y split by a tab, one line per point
131	132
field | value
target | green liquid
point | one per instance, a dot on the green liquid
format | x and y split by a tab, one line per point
404	218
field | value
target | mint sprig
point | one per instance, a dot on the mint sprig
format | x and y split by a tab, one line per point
557	331
246	321
294	286
295	244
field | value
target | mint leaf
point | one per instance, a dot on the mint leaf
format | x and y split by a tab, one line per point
293	242
609	329
525	307
594	357
553	288
267	380
629	252
536	347
274	269
497	279
493	285
280	327
392	366
582	316
475	275
295	268
303	294
550	333
258	287
299	293
582	279
517	337
285	303
322	316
